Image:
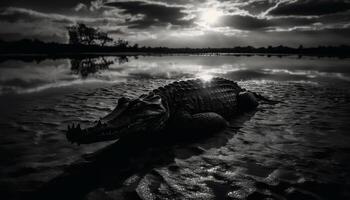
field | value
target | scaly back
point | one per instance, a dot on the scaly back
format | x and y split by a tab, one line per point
217	95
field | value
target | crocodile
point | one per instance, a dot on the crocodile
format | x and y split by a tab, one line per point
194	105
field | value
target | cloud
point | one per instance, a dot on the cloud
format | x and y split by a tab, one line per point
254	23
80	6
61	6
255	7
178	22
13	15
154	13
309	7
292	21
244	22
96	5
27	23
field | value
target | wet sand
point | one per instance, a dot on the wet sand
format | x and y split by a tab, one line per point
297	149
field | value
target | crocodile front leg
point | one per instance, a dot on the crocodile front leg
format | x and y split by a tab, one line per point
202	123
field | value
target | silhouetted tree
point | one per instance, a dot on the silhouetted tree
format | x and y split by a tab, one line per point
122	59
136	46
82	34
87	66
104	38
73	35
122	43
88	34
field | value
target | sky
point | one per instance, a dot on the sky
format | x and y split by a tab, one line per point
183	23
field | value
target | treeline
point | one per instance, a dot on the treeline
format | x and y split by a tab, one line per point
89	40
27	46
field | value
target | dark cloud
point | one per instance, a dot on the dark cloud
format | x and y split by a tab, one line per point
336	18
310	7
117	31
60	6
292	21
14	15
153	14
338	34
257	7
180	2
244	22
26	23
10	36
253	23
49	34
147	22
326	36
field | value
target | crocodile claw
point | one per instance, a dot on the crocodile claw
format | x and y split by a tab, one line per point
74	132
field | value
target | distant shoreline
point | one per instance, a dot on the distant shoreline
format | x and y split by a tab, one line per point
26	49
27	46
82	55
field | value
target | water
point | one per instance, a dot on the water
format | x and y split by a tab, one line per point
297	149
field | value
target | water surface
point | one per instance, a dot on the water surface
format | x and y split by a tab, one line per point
297	149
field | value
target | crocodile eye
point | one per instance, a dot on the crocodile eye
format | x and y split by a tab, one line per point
123	100
152	97
136	103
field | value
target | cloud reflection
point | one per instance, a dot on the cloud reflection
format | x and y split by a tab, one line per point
308	73
20	77
20	90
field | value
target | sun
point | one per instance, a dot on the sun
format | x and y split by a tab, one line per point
205	77
210	15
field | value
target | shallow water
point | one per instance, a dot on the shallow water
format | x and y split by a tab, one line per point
297	149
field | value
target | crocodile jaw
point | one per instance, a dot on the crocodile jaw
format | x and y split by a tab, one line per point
97	133
129	117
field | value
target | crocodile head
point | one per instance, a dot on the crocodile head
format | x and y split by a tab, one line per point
146	113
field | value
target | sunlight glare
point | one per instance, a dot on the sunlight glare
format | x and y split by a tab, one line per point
210	15
206	77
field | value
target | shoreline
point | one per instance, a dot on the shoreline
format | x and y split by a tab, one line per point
9	56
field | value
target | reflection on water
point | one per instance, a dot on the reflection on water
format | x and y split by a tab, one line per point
23	77
86	66
297	149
